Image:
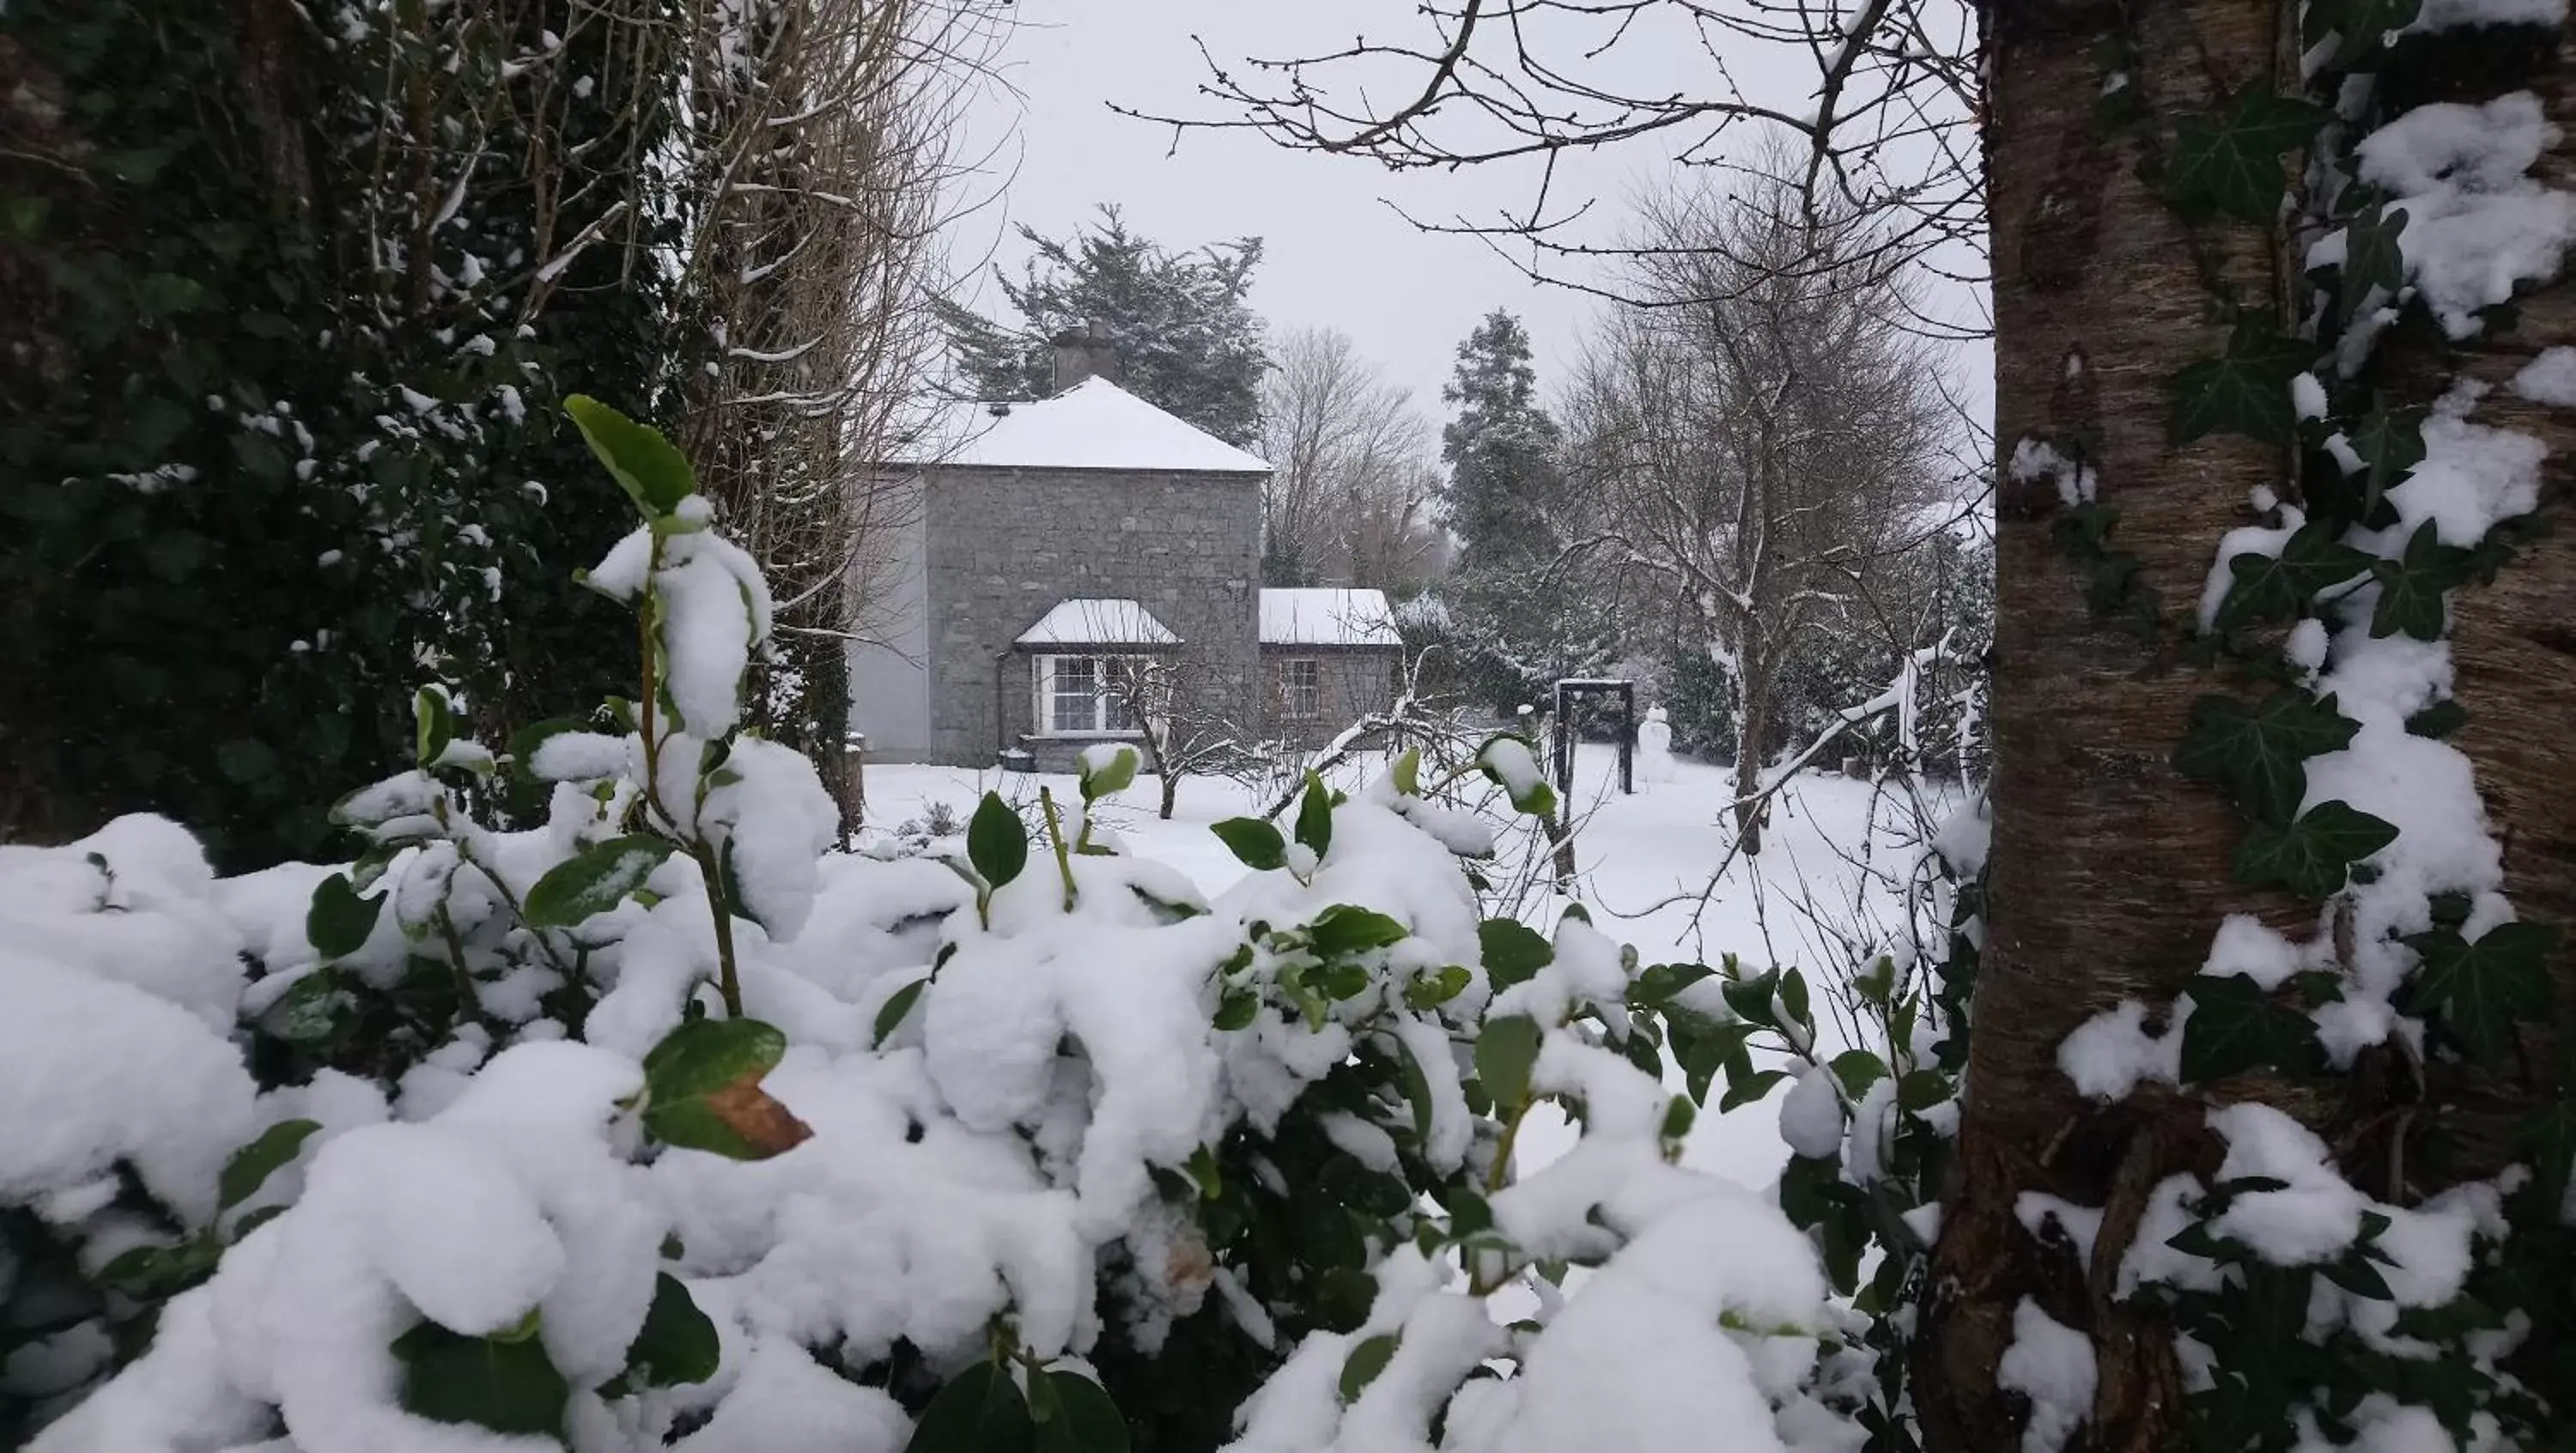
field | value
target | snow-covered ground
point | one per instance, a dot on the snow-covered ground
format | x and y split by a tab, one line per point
1644	862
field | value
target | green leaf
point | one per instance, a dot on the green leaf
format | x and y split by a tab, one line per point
2245	390
1430	991
1085	1420
655	474
1513	951
997	842
2314	855
2234	1026
156	1272
1857	1070
252	1165
246	761
1345	929
1507	760
1679	1114
2438	720
1255	843
1505	1052
1366	1361
433	724
339	921
1315	817
2360	26
1793	996
1111	776
2231	162
1755	1000
677	1343
507	1384
1417	1090
1749	1089
702	1089
979	1410
594	880
2257	752
2269	587
311	1010
1408	772
2390	443
2475	991
2411	589
1657	986
2551	1136
2371	256
1237	1009
890	1016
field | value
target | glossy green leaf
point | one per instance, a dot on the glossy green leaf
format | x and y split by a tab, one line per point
1315	817
1430	991
2372	257
2258	750
2411	589
2230	161
2271	587
2475	991
654	473
997	842
702	1088
2390	443
594	880
1113	775
252	1165
339	921
433	724
890	1016
1408	772
678	1342
1513	951
980	1410
2235	1026
1254	843
505	1383
1506	1051
1364	1364
1084	1420
1237	1009
2245	390
1857	1070
1346	929
2314	855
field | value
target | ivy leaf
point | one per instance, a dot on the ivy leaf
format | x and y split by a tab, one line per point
1366	1361
2390	443
2438	720
702	1087
997	842
339	921
2257	752
1513	951
505	1383
594	880
1315	817
2268	587
1505	1053
2231	162
1255	843
1085	1421
2476	990
252	1165
2411	589
653	471
979	1410
2245	390
2371	257
2361	25
1344	929
2551	1135
677	1343
2314	855
2234	1026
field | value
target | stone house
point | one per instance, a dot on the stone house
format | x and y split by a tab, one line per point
1057	553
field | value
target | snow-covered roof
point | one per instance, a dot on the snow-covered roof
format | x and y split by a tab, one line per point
1091	622
1093	425
1325	616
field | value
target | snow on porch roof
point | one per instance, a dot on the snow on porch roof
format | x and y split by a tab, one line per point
1094	425
1098	623
1310	616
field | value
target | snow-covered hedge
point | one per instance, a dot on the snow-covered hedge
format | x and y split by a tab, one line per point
654	1124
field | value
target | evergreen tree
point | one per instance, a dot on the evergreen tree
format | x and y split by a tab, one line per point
1185	337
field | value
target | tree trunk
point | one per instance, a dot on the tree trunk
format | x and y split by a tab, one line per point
1752	748
2108	874
1171	790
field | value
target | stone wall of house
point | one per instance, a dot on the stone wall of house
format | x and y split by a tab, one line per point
1002	546
1351	682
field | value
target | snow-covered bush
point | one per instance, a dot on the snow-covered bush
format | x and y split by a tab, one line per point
652	1125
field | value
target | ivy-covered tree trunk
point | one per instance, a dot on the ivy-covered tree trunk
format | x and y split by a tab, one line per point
2110	869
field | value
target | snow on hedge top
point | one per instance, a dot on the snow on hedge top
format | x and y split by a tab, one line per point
1098	622
1094	425
1327	617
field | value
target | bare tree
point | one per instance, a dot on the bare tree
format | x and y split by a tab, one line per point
1759	433
1179	731
1349	496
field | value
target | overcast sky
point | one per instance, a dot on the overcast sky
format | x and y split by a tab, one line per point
1337	255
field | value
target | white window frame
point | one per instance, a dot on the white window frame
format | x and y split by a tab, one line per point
1290	691
1108	717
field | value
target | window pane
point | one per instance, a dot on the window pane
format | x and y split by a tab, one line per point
1076	694
1303	689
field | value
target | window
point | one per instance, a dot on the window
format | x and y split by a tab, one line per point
1301	689
1084	696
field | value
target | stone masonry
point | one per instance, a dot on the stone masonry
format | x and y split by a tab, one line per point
1003	545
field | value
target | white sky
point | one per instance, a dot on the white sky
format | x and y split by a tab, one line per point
1337	255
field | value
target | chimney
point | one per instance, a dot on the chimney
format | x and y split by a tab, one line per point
1082	353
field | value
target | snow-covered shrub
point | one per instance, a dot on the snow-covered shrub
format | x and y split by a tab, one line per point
652	1125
